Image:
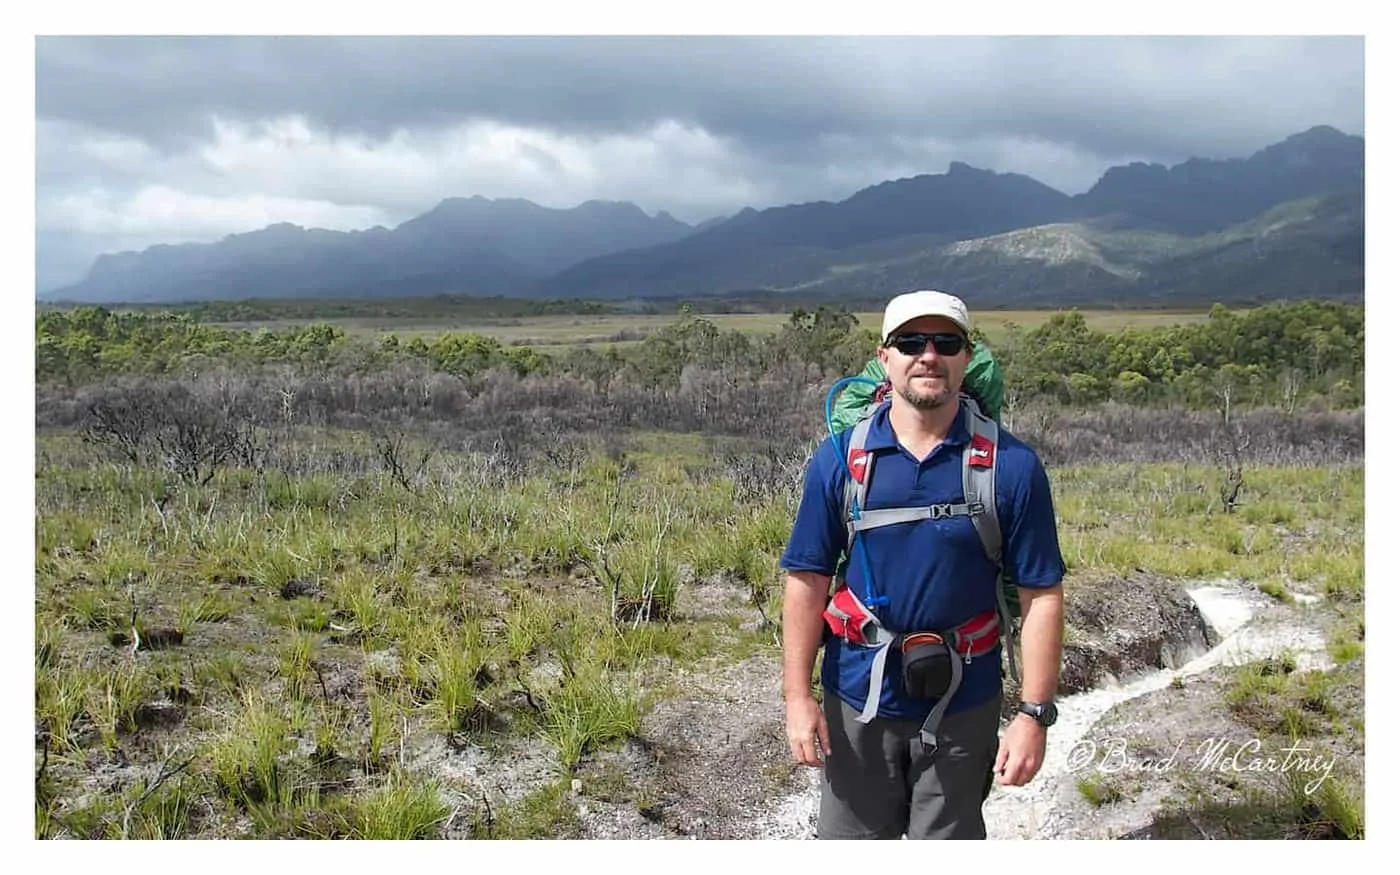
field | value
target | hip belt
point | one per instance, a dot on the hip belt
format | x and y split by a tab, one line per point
932	660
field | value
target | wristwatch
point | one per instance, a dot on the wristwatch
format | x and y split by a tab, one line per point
1044	713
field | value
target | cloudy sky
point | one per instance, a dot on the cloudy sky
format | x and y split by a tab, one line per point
161	140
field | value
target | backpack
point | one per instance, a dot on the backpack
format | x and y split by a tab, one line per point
982	381
979	501
983	385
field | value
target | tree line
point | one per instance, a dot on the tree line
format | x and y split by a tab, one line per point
304	309
1280	354
1283	354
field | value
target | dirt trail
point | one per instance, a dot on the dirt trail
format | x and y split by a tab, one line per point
706	765
1247	629
715	763
712	761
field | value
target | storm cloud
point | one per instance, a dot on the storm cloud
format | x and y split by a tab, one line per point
160	140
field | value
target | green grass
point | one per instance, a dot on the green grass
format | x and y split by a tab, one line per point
1271	697
404	808
547	813
455	616
247	761
590	707
1099	792
454	675
113	701
1277	807
294	660
162	812
1167	520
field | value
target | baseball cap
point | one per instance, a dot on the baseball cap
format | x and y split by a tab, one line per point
912	305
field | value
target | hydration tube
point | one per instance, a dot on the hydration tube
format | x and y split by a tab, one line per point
831	397
855	510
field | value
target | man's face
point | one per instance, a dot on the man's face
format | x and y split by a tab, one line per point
926	379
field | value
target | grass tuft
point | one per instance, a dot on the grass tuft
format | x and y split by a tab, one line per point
404	808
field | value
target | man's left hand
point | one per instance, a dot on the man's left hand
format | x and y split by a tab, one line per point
1021	753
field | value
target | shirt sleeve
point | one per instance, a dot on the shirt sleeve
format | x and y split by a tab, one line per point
818	535
1031	541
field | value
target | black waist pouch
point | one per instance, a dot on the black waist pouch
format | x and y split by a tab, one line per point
928	665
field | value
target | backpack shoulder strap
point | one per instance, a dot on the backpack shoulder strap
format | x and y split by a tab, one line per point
979	492
979	480
859	464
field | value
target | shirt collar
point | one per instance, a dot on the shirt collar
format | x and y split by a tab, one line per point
881	436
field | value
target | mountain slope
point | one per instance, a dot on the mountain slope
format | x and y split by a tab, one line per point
1307	248
798	247
1197	196
749	249
1284	221
463	244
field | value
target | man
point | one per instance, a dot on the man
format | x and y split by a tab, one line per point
886	771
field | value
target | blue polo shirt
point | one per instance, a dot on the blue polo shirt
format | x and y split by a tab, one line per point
934	572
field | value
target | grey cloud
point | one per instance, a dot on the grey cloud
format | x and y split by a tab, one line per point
63	257
1106	95
800	119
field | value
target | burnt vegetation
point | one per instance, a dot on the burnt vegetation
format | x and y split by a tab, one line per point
1265	386
287	560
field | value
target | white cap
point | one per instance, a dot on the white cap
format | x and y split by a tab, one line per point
912	305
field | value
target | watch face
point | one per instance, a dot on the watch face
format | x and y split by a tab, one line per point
1045	714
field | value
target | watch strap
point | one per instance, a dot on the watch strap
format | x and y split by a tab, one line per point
1038	711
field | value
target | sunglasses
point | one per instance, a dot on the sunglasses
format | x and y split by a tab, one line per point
915	344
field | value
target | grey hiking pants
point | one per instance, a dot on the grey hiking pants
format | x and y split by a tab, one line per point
881	783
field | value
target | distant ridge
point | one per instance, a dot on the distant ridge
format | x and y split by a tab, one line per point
1286	221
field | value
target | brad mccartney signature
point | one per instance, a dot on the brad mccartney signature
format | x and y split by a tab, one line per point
1211	755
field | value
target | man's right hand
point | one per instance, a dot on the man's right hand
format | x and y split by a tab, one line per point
806	730
804	598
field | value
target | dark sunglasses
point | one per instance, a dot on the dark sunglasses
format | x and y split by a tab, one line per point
915	344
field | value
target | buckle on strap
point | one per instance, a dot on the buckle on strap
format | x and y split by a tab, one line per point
849	618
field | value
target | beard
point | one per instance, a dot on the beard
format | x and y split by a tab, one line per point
929	399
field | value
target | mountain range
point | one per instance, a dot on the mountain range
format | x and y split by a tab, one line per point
1285	222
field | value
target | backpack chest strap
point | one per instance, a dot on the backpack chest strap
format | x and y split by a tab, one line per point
888	516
